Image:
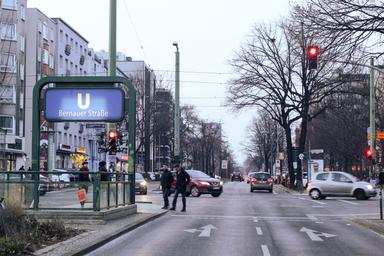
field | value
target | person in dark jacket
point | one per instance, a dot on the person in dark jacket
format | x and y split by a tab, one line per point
104	175
84	176
182	180
166	183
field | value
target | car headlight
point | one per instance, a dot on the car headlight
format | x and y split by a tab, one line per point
369	186
204	183
221	183
143	183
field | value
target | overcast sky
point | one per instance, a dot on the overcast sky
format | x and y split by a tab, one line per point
208	33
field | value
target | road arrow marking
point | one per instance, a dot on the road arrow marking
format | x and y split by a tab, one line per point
315	237
205	231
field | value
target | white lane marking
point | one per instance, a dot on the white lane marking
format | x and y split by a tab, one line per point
317	206
274	192
315	237
319	222
313	201
255	220
205	231
265	250
259	231
312	217
347	202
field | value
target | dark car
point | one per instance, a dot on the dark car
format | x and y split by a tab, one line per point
261	181
140	184
201	183
237	176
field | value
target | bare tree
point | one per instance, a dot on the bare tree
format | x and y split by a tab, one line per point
273	75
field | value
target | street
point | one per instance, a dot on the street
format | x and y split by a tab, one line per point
260	223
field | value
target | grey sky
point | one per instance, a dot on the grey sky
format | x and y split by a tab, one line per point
207	31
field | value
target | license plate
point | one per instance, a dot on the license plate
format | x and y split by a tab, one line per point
216	187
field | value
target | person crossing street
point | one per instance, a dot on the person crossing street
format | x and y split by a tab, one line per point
166	183
182	180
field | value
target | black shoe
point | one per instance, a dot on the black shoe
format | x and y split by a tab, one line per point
165	207
183	210
172	209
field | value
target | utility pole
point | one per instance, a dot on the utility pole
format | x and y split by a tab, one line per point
177	106
372	112
112	38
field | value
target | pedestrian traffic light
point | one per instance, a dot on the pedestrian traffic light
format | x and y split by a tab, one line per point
368	154
112	142
313	52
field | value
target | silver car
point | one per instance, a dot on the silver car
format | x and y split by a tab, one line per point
339	184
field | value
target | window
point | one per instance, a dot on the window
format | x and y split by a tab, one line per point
22	12
9	4
45	56
8	94
22	72
45	31
322	176
65	141
61	36
39	54
22	43
338	177
8	31
61	61
51	61
7	123
8	62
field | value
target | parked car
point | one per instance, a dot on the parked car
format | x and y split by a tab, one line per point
237	176
45	185
261	181
63	176
141	185
201	183
339	184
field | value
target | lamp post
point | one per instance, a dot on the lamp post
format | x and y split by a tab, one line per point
177	106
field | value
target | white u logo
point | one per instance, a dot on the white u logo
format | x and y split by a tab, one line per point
80	101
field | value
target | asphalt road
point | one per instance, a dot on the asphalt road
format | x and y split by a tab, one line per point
259	223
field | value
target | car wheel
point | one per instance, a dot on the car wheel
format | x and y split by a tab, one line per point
323	197
270	191
144	192
315	194
216	194
360	195
195	191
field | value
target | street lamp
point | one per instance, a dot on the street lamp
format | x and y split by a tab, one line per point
177	106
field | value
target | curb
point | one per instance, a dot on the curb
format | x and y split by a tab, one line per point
116	234
374	228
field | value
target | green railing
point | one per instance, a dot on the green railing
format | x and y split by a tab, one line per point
57	190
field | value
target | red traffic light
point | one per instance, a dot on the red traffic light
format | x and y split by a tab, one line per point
112	134
368	153
313	51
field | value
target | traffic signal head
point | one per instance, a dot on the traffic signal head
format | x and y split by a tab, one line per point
368	154
313	52
112	142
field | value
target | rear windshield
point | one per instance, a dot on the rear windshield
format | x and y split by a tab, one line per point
261	176
139	176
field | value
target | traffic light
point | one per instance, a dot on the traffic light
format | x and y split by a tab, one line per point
368	154
112	142
313	52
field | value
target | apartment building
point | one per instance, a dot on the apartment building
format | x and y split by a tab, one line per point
12	83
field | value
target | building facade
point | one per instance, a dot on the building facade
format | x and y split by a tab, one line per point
12	83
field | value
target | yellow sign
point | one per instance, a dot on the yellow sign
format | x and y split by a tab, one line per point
379	135
82	150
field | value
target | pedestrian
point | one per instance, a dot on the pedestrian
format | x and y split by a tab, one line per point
104	175
84	176
166	183
182	180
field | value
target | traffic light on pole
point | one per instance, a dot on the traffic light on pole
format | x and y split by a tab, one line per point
112	142
368	154
313	52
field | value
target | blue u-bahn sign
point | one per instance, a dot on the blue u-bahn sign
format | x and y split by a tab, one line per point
85	105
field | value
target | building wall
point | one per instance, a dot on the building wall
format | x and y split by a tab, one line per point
12	83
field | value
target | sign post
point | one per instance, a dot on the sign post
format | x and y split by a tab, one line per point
89	99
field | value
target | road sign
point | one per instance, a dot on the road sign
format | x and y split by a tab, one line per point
224	164
95	126
79	104
301	156
205	231
380	135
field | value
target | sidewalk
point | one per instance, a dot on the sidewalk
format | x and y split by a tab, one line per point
376	226
97	235
280	188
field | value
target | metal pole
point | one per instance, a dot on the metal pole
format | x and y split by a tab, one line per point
112	38
177	106
381	202
372	112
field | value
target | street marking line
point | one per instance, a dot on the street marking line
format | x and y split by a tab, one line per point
312	217
317	206
314	201
255	220
259	231
315	235
274	192
347	202
265	250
